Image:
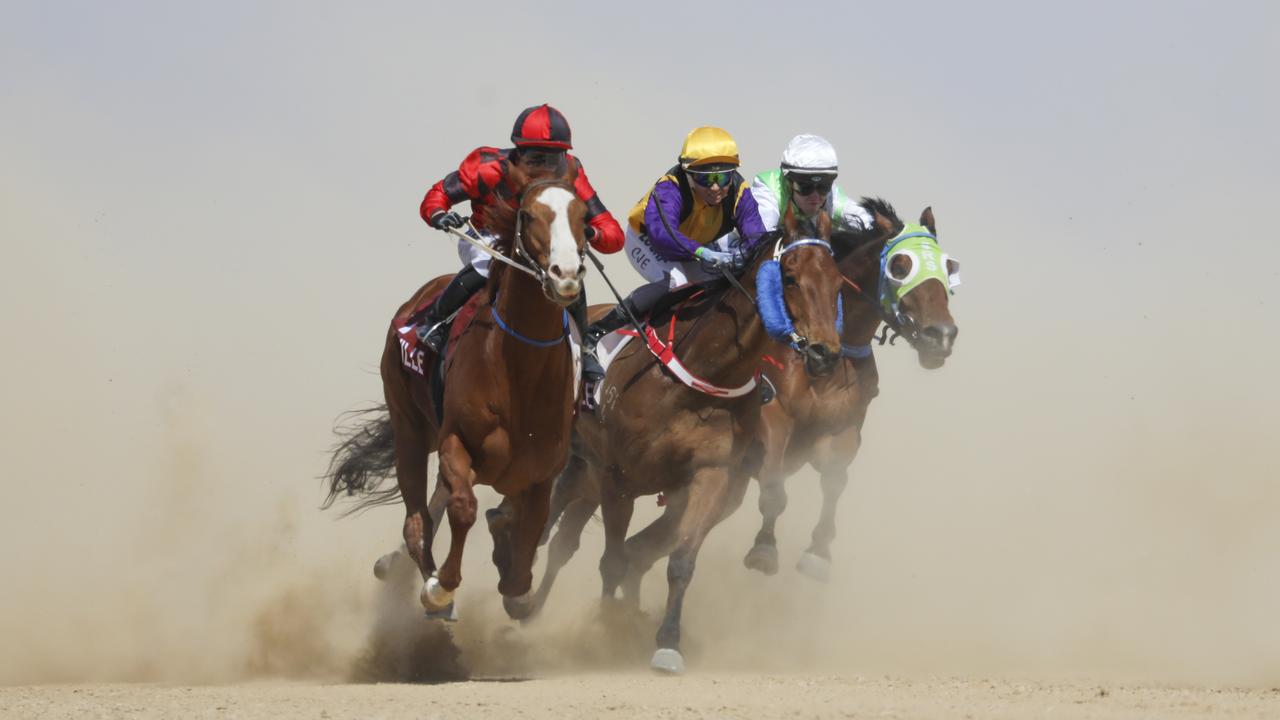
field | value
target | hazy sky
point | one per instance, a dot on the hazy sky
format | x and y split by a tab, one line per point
208	213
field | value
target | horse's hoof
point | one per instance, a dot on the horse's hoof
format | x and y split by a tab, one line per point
383	568
518	607
668	660
433	596
763	558
818	568
448	613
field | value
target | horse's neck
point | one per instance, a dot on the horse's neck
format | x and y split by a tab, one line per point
861	310
525	309
724	344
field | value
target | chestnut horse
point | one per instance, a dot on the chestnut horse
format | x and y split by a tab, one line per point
508	405
651	434
905	283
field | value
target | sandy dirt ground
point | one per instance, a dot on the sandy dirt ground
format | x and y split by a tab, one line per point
209	213
644	696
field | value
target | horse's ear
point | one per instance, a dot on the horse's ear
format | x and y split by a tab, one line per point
885	225
789	224
824	225
571	174
926	219
519	178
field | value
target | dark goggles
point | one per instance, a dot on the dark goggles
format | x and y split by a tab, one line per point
809	184
541	157
707	179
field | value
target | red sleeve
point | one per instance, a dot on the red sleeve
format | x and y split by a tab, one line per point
478	174
609	238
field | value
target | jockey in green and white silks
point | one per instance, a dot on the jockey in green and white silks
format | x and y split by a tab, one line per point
806	179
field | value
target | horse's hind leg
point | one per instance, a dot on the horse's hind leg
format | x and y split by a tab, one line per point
653	543
712	495
832	458
436	507
776	432
412	452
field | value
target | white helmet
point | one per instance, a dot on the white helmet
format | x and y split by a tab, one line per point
809	155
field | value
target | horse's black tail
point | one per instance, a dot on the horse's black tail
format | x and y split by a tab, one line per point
363	458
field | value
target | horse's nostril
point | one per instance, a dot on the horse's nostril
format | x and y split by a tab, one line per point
555	270
942	335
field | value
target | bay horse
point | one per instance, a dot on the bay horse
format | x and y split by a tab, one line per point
895	274
652	434
507	409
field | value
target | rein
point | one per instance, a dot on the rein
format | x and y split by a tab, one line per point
524	262
798	342
535	272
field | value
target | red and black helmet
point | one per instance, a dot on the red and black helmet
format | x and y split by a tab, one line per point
541	126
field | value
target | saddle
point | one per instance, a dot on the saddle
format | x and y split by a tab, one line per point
418	358
686	296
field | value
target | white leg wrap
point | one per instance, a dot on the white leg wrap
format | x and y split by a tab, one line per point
433	595
667	660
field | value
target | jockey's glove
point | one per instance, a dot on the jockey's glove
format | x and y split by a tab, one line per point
445	220
715	259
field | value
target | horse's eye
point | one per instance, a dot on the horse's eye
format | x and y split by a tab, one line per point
900	266
790	280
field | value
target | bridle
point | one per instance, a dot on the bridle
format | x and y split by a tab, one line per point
522	261
887	305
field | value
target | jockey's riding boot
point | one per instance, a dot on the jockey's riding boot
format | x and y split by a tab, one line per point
434	328
612	320
591	370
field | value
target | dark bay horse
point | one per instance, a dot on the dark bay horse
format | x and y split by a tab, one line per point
652	434
507	410
818	420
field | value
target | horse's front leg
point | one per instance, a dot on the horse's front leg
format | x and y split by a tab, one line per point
652	544
616	507
776	428
577	501
832	456
713	493
458	476
525	531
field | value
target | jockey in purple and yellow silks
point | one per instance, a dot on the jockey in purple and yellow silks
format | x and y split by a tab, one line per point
699	216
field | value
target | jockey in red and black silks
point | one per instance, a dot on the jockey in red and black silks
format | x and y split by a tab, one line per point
542	139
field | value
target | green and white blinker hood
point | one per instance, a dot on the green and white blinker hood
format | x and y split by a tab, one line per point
928	262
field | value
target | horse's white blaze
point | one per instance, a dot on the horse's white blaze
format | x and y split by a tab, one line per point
564	248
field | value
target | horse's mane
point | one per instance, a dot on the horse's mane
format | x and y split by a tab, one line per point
846	241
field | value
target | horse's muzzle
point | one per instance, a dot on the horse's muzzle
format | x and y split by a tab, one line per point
819	360
934	345
564	287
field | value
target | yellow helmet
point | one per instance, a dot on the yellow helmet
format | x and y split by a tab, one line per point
708	146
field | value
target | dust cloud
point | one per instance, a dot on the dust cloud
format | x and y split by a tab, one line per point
207	225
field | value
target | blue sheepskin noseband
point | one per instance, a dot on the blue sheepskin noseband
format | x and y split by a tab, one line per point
772	306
